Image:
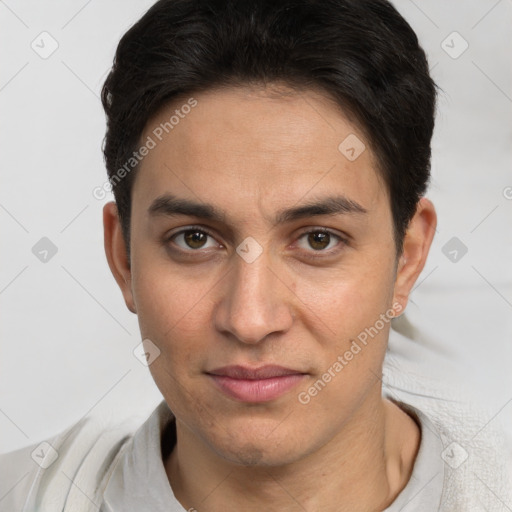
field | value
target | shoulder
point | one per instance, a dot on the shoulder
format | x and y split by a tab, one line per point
47	474
473	448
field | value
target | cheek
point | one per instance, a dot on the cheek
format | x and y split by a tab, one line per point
348	299
166	299
172	313
354	338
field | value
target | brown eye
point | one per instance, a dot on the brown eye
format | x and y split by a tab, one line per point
195	239
321	241
318	240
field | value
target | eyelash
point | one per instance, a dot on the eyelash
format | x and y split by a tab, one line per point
313	254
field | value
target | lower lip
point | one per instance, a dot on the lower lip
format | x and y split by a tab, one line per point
262	390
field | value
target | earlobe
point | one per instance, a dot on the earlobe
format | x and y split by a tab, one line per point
115	251
417	242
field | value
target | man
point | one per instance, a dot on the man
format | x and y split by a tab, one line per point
269	163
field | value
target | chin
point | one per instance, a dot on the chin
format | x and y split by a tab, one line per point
254	455
257	445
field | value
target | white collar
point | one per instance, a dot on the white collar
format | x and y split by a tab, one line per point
138	480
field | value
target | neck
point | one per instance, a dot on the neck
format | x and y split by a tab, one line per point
363	467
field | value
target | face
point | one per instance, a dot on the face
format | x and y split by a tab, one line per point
234	272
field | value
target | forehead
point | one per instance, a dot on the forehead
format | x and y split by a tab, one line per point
245	144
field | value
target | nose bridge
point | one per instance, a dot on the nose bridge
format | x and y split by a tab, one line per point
254	303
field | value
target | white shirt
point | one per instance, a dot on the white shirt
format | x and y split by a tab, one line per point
112	471
423	491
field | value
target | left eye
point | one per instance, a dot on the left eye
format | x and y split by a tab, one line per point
320	240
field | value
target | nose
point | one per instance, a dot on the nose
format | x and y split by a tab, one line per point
254	303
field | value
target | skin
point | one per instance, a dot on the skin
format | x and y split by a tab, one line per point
252	152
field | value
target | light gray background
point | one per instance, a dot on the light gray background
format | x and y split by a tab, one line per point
66	335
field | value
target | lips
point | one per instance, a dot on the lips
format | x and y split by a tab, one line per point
243	372
261	384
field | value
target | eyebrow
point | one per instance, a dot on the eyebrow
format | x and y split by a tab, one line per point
170	205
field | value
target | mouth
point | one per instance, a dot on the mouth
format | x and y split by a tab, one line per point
255	385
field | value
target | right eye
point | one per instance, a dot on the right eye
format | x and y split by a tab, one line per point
192	239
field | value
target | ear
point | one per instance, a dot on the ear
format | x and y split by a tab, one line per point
417	242
115	250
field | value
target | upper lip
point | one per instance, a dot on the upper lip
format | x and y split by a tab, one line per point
263	372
